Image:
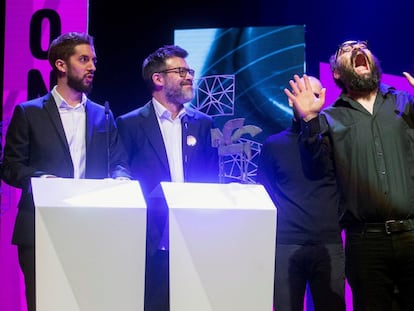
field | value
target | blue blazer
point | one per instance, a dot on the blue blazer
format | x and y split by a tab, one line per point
141	134
36	145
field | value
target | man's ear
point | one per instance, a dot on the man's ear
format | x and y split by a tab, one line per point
157	78
336	74
60	65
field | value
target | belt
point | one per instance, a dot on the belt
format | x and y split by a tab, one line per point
388	227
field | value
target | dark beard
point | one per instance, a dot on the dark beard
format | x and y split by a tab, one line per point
78	85
361	84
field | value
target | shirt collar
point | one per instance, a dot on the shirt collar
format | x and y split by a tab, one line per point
60	101
163	113
383	89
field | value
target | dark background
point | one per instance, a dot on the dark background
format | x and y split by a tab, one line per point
125	33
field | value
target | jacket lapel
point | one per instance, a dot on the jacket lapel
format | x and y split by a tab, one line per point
190	136
91	116
53	112
153	132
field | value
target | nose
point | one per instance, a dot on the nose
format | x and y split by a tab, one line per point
357	46
92	65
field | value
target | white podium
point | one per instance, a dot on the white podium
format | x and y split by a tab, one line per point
90	244
222	246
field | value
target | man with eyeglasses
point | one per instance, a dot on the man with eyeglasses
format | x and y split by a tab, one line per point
368	133
166	141
309	247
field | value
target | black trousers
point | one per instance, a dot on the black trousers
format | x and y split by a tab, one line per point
157	289
380	270
27	264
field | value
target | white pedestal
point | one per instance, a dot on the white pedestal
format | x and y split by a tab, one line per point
222	246
90	244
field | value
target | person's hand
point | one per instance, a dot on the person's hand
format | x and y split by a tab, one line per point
409	77
302	98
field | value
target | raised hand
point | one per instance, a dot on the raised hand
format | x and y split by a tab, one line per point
302	98
409	77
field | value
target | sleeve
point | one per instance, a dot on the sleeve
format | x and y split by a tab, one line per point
15	169
316	148
119	166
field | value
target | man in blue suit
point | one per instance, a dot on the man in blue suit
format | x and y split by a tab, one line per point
166	141
62	134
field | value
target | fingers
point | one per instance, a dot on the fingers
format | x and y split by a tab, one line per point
290	96
306	82
298	86
302	98
409	77
322	96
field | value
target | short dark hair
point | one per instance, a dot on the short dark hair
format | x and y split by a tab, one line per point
63	47
155	62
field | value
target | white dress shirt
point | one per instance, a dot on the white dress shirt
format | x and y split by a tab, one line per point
74	124
172	136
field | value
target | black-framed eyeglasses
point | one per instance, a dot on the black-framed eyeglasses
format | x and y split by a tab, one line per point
182	71
348	46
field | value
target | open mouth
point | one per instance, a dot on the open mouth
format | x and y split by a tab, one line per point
89	78
360	63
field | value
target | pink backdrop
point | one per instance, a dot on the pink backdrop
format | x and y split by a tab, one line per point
20	28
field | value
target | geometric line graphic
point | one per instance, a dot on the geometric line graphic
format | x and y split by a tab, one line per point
215	95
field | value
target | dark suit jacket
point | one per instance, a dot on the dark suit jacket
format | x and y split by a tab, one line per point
36	145
148	161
